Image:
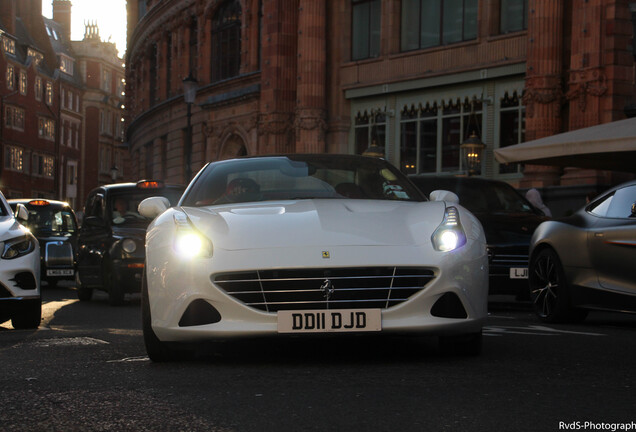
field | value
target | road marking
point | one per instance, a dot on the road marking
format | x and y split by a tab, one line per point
130	359
533	330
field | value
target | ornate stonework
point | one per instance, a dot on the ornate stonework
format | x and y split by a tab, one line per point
591	82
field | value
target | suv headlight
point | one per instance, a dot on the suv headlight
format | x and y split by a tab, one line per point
19	246
129	245
449	235
189	242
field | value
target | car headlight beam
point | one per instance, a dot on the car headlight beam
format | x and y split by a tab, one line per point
188	242
450	234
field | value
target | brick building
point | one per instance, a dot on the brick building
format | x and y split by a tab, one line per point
52	143
416	77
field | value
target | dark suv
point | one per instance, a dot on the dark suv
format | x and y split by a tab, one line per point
508	219
54	224
111	244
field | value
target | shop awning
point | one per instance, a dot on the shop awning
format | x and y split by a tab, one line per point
610	146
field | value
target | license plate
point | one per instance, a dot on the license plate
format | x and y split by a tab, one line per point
56	272
327	321
519	273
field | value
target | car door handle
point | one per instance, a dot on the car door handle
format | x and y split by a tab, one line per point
598	234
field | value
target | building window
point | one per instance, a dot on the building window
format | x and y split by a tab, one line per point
429	23
8	45
370	129
193	45
153	72
10	77
14	117
23	83
36	56
431	135
49	93
226	41
365	29
106	78
418	143
46	128
512	127
43	165
38	88
513	15
14	158
67	65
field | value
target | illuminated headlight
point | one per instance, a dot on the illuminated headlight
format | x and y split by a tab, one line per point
19	246
189	243
450	234
129	246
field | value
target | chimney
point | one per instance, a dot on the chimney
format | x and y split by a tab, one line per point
8	13
62	16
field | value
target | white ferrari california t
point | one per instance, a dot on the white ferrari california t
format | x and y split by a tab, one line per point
310	244
20	299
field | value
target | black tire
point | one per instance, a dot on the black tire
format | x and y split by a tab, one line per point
549	289
115	289
28	316
469	344
83	293
157	351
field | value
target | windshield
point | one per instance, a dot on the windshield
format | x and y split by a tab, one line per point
492	198
122	206
299	177
51	220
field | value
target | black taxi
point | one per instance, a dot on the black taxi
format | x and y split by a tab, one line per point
111	243
54	224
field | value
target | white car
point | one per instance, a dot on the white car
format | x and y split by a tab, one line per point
310	244
20	298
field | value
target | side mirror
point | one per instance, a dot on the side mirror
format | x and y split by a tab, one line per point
152	207
634	210
444	195
21	213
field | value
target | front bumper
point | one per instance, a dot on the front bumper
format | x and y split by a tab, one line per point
173	286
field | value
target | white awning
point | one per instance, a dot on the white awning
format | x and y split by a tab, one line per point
610	146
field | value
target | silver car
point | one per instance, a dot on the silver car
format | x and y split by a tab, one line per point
586	261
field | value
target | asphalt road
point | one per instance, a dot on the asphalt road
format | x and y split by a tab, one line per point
85	369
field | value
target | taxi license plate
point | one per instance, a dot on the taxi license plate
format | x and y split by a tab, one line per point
519	273
327	321
60	272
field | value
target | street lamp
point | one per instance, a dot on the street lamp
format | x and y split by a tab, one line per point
472	150
189	95
113	172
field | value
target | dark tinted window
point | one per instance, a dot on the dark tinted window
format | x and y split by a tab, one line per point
621	204
51	219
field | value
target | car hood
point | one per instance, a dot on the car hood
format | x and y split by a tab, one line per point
10	228
509	229
318	223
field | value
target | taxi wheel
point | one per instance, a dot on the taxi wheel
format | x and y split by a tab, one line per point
115	289
83	293
28	316
157	351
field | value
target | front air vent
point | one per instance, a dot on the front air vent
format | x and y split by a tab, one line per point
330	288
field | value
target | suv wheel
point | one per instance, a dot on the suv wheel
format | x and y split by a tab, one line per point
28	316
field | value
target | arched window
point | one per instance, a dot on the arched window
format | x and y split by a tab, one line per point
226	41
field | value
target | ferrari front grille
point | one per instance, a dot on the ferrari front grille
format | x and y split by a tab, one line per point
331	288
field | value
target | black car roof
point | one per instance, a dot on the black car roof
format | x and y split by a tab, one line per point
114	187
27	201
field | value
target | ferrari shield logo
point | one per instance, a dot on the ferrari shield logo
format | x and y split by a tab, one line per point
325	254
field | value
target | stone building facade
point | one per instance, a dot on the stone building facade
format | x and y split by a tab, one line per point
61	105
416	77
